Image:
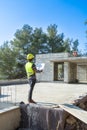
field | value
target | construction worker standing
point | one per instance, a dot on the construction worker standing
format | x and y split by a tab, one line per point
31	75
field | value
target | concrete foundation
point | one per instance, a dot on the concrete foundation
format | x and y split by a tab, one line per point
38	117
9	118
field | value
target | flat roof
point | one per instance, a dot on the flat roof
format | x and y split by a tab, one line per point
71	59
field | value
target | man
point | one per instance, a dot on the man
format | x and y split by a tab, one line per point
31	75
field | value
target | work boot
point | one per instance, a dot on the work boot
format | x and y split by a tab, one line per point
32	101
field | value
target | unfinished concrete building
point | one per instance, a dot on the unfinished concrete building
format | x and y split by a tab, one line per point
62	67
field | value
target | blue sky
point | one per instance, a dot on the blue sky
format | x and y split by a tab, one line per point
68	15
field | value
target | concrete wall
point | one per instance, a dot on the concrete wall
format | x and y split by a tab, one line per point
48	73
10	118
48	70
82	72
12	82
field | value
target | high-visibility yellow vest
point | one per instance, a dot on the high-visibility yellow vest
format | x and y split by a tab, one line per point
29	70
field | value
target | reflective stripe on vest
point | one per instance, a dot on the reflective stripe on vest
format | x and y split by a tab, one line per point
28	68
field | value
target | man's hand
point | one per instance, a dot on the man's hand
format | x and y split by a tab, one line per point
40	71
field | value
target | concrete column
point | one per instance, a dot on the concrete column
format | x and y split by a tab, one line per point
73	72
66	72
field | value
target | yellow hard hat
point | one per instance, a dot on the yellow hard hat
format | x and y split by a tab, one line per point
30	56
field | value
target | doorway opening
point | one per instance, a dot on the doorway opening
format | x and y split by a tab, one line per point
58	71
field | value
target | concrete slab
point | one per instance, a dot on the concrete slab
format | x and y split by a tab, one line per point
49	93
58	93
75	111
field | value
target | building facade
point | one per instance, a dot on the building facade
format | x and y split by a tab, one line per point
62	67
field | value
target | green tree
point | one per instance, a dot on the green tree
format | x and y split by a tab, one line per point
27	40
38	42
54	40
21	44
75	45
86	24
67	45
23	38
7	61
